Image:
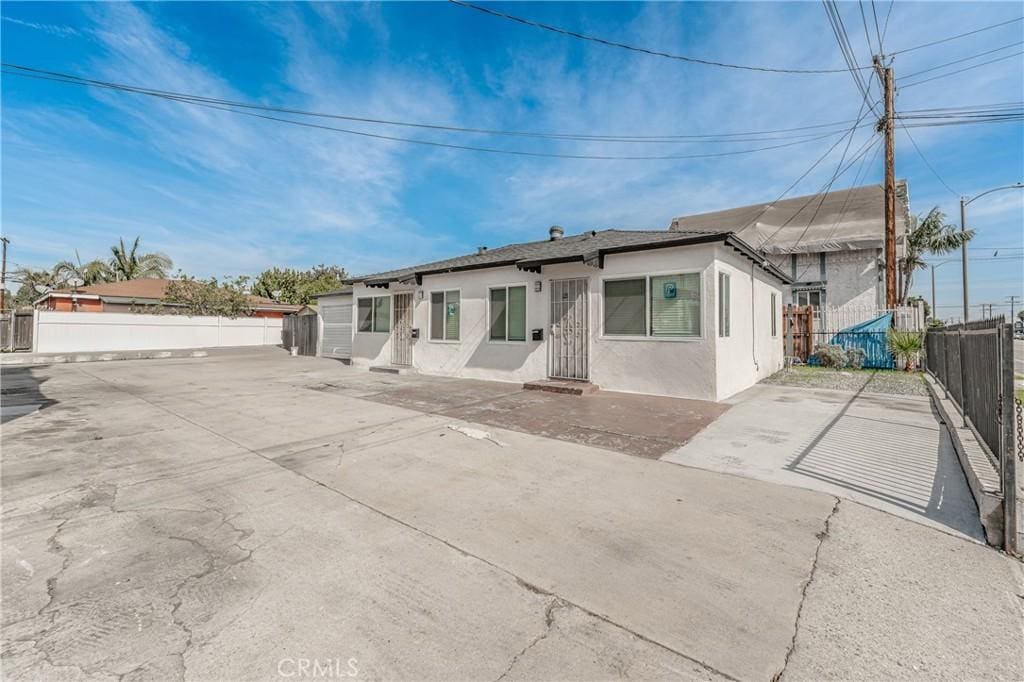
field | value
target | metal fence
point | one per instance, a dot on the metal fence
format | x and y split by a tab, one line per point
974	364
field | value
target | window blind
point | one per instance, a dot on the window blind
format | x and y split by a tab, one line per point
382	314
723	304
624	307
451	324
675	305
365	314
517	313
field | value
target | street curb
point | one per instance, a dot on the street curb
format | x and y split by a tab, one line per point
982	475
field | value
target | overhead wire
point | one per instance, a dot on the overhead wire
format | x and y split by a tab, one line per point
843	40
964	59
904	86
928	163
956	37
634	48
752	136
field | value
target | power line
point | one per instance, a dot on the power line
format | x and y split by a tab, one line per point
878	33
961	35
904	86
634	48
926	162
490	150
964	59
59	77
843	39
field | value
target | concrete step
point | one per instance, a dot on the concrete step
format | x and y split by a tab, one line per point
562	386
391	369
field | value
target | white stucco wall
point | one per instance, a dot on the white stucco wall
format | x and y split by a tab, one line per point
682	367
78	332
750	352
853	278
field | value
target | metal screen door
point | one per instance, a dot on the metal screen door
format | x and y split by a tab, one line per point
570	325
401	333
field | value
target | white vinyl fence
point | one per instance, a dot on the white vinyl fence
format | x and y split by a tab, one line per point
78	332
832	319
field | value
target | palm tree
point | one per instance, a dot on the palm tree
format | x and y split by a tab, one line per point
33	283
90	273
906	346
128	264
927	235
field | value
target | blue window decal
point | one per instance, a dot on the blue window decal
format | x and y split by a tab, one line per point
669	289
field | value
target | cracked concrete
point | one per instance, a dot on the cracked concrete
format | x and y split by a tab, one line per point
206	519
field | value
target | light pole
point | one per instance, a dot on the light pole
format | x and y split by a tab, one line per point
935	311
964	201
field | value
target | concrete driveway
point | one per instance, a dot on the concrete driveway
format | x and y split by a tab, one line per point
257	517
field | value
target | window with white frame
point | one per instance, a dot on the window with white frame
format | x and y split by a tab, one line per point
507	313
658	306
373	314
723	304
445	311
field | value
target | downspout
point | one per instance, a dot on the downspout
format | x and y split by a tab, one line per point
753	323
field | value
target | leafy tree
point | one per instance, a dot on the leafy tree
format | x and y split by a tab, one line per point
190	296
298	287
29	279
90	273
128	263
927	235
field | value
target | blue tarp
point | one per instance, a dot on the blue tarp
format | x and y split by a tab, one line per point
871	336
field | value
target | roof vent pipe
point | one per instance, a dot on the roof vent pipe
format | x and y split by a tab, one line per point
555	232
480	249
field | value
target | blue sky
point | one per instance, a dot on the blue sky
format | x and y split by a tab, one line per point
227	194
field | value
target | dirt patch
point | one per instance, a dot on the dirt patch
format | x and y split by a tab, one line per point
888	382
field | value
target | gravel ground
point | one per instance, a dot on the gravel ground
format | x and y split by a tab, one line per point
870	380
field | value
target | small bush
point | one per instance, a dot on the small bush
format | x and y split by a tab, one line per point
831	355
855	357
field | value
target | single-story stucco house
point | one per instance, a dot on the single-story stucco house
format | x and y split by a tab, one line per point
686	314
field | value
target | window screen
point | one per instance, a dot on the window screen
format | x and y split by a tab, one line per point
624	307
723	304
675	305
365	314
437	315
382	314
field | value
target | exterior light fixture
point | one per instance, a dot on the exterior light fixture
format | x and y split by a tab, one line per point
538	285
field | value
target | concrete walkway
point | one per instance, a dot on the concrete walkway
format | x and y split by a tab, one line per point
220	518
887	452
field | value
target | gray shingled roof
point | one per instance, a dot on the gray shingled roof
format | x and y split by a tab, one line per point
590	247
847	219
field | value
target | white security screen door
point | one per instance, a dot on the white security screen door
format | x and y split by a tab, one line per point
570	330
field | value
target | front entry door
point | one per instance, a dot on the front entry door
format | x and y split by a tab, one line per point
401	332
570	325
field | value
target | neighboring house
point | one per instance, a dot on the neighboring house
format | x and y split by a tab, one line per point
335	309
830	245
134	296
693	315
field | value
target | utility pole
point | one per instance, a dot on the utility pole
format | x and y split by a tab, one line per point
3	276
1013	307
887	126
963	256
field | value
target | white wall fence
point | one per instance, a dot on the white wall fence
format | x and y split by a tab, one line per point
78	332
837	318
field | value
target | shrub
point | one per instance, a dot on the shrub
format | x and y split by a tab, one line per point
831	355
855	357
906	346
